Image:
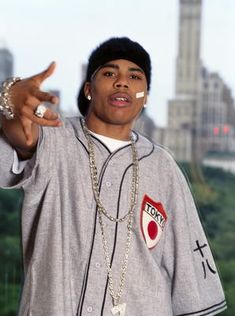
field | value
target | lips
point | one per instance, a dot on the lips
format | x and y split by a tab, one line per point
120	99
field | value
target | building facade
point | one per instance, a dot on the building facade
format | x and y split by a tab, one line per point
6	64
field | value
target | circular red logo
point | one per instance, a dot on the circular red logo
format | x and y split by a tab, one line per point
152	230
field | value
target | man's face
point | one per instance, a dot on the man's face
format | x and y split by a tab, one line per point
118	92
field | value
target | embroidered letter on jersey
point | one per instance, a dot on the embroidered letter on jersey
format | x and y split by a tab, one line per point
153	219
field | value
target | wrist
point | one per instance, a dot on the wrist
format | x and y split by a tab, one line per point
24	153
6	107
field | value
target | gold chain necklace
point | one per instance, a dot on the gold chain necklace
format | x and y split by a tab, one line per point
117	308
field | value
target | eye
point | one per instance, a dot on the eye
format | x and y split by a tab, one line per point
109	74
135	77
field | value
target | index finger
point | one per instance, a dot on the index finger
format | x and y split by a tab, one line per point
39	78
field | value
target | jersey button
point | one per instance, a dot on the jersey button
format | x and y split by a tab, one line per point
97	265
108	184
89	309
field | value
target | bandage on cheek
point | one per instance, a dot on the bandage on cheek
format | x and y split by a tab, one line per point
139	95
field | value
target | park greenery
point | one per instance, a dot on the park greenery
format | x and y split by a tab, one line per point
215	199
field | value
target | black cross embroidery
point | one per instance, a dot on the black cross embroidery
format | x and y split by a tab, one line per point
199	248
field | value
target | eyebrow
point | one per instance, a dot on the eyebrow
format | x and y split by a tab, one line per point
117	67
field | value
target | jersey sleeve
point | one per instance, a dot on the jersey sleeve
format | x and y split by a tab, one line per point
36	169
196	285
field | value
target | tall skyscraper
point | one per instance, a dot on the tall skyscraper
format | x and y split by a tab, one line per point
183	110
6	64
188	60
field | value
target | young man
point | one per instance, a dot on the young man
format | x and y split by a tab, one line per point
109	226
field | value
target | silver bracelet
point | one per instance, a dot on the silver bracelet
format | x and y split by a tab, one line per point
6	107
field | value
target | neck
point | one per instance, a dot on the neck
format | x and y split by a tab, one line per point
116	131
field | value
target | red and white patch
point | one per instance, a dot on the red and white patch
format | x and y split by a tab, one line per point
153	219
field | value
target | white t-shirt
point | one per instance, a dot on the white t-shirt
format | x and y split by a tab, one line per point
111	143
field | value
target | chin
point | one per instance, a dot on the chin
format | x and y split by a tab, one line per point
118	120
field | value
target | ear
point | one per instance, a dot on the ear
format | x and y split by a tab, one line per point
87	89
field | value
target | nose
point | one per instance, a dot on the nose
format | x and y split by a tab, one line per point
121	82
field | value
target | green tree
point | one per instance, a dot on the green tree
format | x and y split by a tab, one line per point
10	251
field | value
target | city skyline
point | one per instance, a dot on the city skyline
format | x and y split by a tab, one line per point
46	31
201	117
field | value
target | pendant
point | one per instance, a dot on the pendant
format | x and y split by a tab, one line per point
120	309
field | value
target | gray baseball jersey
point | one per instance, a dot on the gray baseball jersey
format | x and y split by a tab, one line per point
171	270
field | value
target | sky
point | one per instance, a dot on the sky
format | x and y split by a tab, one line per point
66	31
